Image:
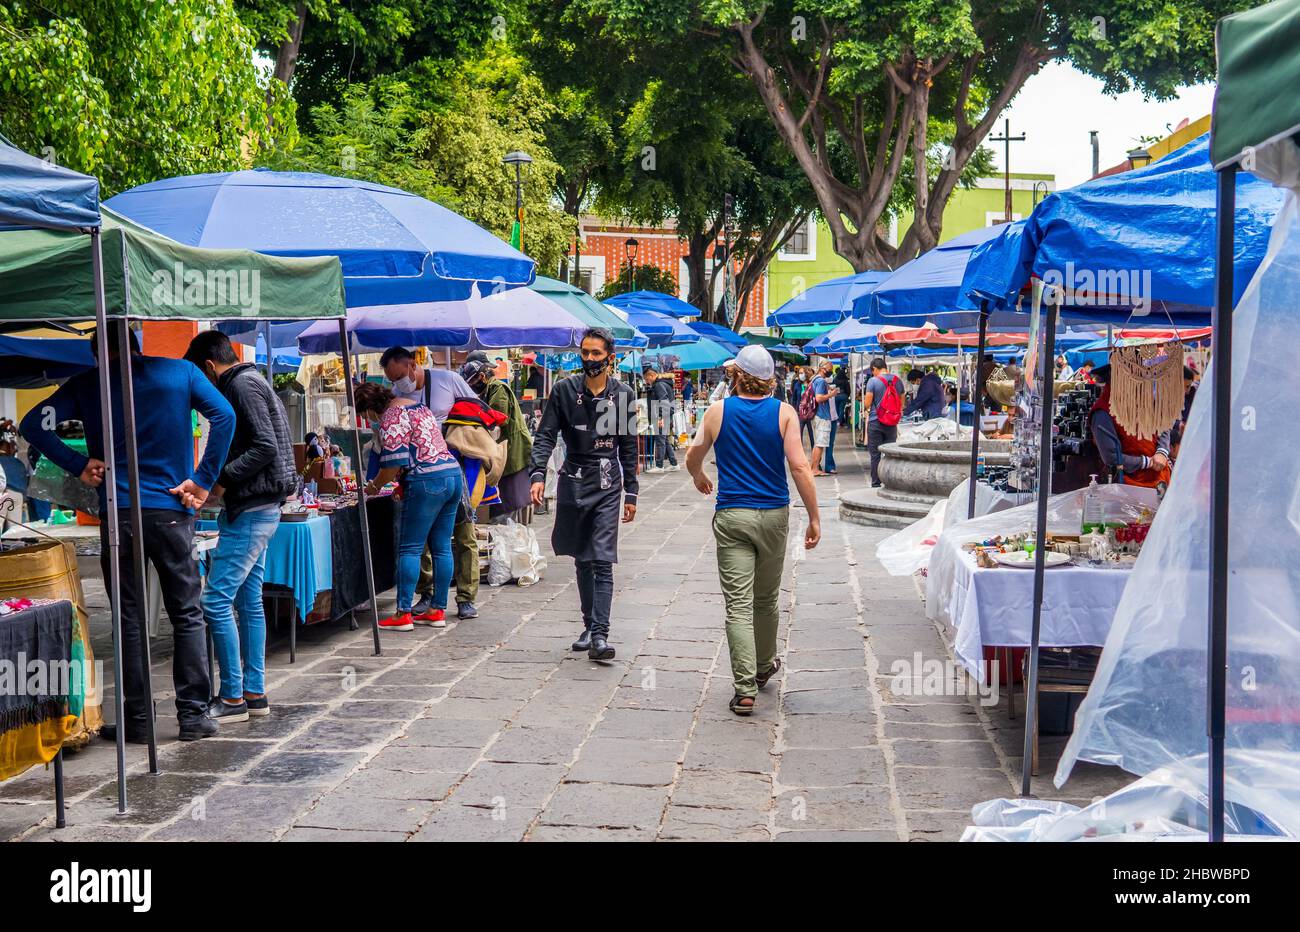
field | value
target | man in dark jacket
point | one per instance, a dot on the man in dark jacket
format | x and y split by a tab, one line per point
930	395
660	413
596	414
257	477
171	484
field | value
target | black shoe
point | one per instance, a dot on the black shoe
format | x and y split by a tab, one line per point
600	649
258	707
219	710
584	641
876	485
108	731
195	729
466	610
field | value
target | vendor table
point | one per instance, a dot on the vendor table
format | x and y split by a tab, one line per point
994	607
43	632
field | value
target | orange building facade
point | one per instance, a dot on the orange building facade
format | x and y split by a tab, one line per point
604	255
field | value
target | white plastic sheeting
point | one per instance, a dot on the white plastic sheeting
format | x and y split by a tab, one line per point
1147	706
1164	806
907	551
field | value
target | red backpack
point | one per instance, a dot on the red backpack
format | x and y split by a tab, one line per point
890	409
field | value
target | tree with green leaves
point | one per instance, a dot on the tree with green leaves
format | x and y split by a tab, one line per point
868	97
134	90
443	137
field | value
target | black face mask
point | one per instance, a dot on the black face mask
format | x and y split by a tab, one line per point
594	367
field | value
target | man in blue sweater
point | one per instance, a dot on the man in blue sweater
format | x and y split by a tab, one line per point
166	391
930	394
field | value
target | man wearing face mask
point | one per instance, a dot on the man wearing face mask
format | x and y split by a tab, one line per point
596	414
437	390
257	477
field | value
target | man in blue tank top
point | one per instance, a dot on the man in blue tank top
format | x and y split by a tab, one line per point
753	436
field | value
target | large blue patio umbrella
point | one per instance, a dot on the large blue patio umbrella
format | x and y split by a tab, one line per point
850	334
704	354
724	336
828	302
520	317
661	329
655	301
1137	246
395	247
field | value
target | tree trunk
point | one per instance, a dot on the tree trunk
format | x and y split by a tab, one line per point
286	58
700	290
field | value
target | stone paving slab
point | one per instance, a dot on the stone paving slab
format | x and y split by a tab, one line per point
493	729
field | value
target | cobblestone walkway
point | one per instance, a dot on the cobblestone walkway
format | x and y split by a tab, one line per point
494	729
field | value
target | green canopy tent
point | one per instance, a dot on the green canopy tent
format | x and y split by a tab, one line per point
46	275
123	271
1255	128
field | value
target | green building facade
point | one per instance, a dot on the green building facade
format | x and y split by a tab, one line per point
809	258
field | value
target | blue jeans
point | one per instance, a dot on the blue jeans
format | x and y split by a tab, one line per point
235	584
428	519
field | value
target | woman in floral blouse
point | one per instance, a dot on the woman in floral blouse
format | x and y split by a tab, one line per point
431	484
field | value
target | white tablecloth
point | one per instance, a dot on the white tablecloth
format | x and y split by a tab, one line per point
994	607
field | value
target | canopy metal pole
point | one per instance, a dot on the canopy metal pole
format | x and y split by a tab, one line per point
110	506
270	361
361	488
137	530
1220	462
977	398
1040	538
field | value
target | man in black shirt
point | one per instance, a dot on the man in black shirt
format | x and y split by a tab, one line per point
596	413
660	414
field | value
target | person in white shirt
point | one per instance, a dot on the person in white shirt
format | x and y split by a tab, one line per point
723	388
436	389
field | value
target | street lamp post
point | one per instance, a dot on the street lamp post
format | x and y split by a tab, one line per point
629	249
522	163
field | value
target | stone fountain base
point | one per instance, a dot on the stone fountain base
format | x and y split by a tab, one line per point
916	474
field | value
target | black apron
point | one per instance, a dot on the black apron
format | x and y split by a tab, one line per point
589	489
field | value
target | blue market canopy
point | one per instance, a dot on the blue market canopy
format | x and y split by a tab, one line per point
1132	246
395	247
37	193
924	288
828	302
851	334
661	329
655	301
703	354
36	362
719	334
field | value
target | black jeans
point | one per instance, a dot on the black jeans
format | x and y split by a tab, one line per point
662	448
877	434
168	536
595	593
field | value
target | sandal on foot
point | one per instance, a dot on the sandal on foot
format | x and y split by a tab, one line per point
735	705
762	678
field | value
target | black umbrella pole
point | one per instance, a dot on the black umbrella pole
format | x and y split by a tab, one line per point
978	382
361	488
110	507
1220	461
137	530
1040	541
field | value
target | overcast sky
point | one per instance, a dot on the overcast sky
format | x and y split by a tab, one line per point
1058	106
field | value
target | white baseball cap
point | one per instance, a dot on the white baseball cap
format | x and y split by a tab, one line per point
756	361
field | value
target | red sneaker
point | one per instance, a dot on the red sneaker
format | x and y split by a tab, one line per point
434	618
400	622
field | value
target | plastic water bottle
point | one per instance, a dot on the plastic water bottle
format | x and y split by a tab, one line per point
979	467
1094	517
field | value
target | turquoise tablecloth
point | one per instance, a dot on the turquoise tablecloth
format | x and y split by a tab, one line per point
298	558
